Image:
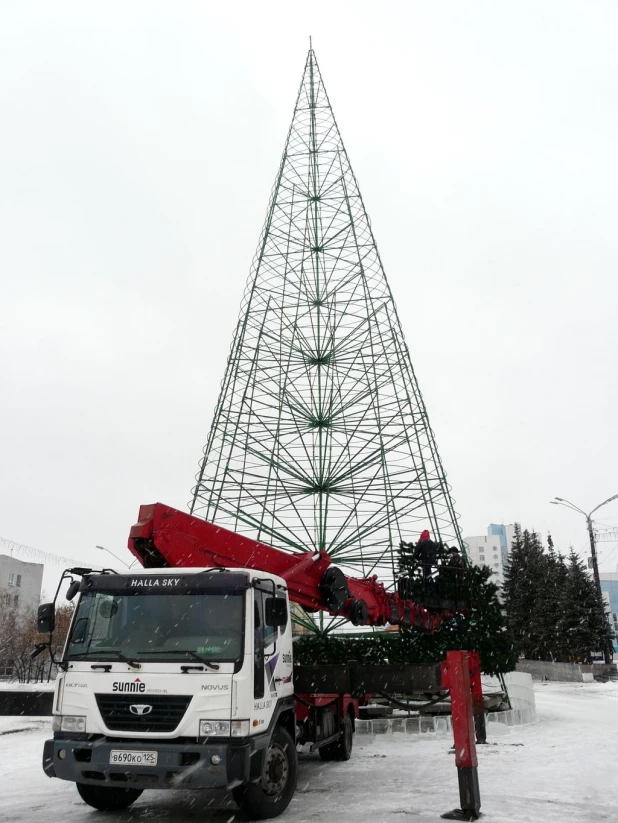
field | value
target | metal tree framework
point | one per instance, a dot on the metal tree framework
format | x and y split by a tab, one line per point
320	438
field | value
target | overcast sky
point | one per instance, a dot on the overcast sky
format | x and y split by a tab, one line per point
138	147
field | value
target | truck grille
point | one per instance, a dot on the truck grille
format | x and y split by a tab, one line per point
167	712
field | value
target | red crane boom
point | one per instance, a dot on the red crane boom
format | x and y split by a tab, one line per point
167	537
164	536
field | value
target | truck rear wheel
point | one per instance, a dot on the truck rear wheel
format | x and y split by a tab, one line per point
341	749
107	798
271	795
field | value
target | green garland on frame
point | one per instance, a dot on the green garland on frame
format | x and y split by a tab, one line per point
481	628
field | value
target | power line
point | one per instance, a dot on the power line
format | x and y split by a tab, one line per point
610	556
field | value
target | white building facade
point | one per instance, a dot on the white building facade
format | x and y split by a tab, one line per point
492	550
20	585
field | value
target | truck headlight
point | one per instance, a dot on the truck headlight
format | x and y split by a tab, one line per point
224	728
68	723
214	728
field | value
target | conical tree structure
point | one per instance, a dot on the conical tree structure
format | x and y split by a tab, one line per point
320	438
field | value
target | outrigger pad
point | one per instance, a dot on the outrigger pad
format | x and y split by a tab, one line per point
461	814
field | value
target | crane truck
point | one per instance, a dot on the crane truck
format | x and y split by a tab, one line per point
180	674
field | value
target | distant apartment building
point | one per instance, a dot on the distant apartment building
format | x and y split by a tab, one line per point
492	550
609	587
506	535
20	584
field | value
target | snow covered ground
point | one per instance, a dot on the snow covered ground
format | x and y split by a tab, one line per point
563	768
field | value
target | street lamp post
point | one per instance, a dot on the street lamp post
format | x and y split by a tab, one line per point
560	501
103	549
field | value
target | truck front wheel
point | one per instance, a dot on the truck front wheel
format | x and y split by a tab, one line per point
107	798
271	795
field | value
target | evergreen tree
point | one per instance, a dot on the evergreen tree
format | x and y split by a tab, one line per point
525	580
478	622
583	622
553	609
547	613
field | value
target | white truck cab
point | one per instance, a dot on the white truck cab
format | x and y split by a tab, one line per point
177	679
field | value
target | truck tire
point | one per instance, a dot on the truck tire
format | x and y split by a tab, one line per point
341	749
271	795
107	798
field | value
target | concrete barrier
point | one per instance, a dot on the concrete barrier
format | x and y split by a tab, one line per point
564	672
28	703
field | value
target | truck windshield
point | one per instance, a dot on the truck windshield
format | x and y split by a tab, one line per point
160	628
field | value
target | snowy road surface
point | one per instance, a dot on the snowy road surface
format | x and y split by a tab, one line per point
563	768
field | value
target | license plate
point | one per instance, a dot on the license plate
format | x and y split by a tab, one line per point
122	758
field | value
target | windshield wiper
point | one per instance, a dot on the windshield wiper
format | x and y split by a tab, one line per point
118	654
190	652
203	660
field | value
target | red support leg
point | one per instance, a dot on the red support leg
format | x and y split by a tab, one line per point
456	677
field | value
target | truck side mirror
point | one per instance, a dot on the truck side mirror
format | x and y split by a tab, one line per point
276	612
73	589
46	618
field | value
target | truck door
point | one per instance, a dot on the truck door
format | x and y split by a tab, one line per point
263	648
